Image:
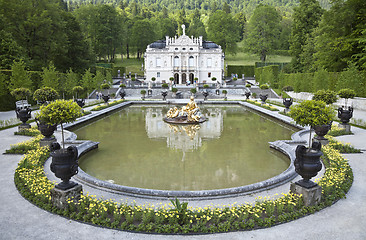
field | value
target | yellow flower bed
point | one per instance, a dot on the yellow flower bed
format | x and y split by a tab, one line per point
166	218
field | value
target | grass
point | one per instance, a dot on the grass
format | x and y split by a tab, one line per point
132	65
242	58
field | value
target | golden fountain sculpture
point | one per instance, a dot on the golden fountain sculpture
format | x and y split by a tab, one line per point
187	114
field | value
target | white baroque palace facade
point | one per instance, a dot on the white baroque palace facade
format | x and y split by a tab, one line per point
184	58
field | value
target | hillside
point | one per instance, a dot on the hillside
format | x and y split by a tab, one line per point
245	6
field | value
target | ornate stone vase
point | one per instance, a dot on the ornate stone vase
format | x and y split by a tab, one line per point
80	102
24	114
122	94
247	95
106	98
205	94
287	102
307	164
64	165
46	130
322	130
345	114
263	97
164	94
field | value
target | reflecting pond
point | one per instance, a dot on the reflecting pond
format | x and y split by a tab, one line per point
138	149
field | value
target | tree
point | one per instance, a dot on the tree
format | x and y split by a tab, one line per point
341	38
222	29
88	81
20	77
306	17
263	31
196	27
50	77
142	35
71	80
10	51
241	21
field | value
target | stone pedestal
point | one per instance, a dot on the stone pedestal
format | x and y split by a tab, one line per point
47	142
310	196
23	126
346	127
322	141
59	197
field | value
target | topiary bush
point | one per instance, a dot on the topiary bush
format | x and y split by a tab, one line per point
45	94
287	88
264	86
327	96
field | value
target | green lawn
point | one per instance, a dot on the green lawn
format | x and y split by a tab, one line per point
132	65
242	58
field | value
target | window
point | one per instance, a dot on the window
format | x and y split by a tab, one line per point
191	61
184	49
176	61
158	62
209	62
176	48
191	49
158	74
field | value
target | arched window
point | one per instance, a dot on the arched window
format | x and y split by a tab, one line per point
191	61
176	61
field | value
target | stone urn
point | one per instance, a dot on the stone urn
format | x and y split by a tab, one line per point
64	165
122	94
247	94
24	114
307	163
46	130
164	94
263	97
345	114
287	102
106	98
80	102
322	130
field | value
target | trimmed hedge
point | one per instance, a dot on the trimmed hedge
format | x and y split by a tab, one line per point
268	74
248	71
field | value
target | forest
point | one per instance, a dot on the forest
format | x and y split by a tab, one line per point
64	40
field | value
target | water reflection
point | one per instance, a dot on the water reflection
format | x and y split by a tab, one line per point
137	148
184	137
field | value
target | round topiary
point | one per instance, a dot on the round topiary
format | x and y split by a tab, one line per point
287	88
328	96
264	86
312	113
248	85
213	79
122	85
105	86
59	112
21	93
174	90
164	85
143	92
224	91
205	86
346	93
153	79
193	90
45	94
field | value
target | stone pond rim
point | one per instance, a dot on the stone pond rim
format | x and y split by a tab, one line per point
282	146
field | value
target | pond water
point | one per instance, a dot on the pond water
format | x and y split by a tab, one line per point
138	149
